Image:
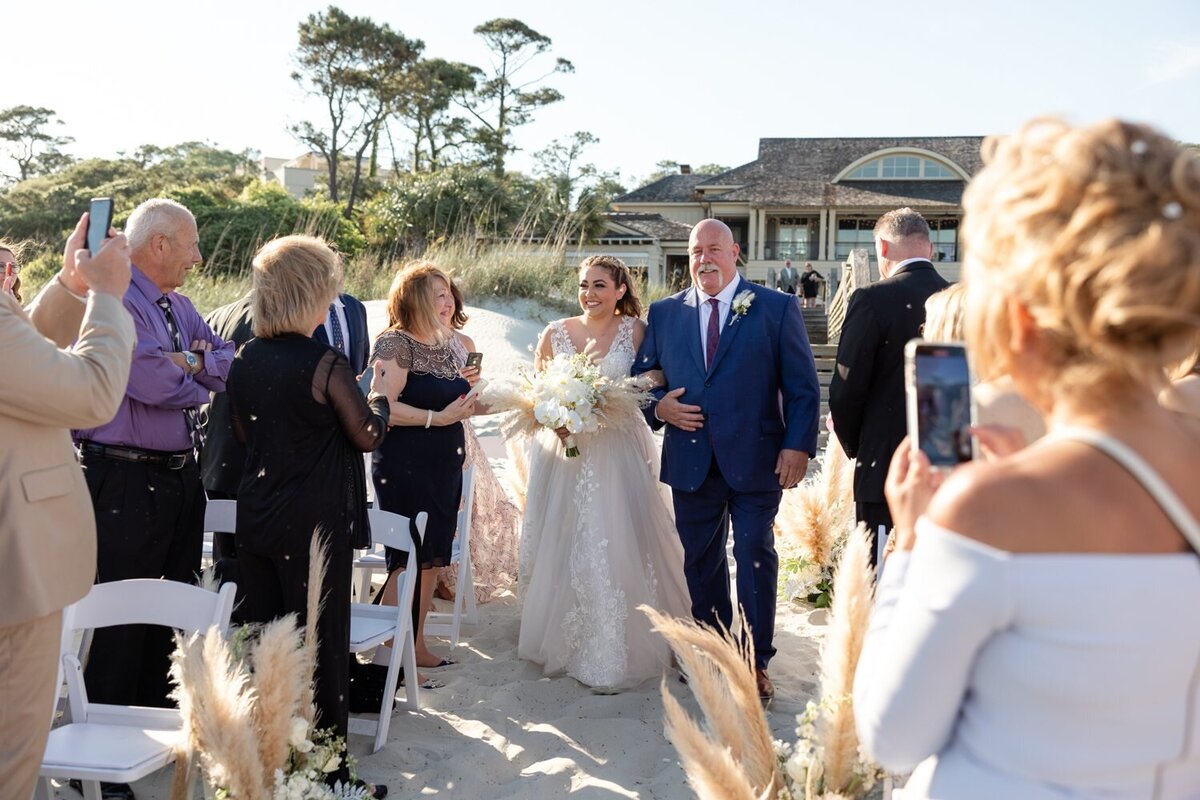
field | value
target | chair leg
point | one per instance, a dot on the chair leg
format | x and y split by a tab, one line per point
412	688
91	790
471	615
389	698
43	790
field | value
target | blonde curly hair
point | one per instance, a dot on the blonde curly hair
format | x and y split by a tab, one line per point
1096	232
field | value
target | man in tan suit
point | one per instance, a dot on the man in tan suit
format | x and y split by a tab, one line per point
47	526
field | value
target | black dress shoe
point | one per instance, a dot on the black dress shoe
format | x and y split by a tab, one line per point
378	790
109	791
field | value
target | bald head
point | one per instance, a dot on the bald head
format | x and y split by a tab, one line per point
712	256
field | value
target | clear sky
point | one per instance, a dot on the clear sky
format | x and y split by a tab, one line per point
692	82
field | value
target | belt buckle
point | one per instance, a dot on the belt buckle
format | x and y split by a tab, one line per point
177	461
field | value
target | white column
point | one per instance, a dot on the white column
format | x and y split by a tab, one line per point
823	235
831	252
753	236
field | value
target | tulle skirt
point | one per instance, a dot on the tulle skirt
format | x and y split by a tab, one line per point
598	541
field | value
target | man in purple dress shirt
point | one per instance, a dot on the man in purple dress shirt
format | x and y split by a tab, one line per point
141	468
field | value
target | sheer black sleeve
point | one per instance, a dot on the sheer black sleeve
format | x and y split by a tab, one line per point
363	423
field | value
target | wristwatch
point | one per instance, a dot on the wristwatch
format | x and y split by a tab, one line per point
192	361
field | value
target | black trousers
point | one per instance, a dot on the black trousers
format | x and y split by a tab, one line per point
274	584
149	522
874	515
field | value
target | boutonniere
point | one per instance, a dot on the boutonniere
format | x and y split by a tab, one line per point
741	304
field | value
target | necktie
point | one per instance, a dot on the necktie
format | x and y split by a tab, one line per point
339	341
714	332
189	414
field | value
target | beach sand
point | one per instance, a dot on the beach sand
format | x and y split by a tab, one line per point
499	728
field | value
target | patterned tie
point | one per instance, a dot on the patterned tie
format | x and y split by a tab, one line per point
714	332
189	414
339	341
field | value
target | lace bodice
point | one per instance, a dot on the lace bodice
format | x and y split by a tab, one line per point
443	360
619	359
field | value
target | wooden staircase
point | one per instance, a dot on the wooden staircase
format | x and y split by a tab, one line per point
825	357
817	324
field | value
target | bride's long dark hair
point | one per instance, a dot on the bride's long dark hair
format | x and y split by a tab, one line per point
628	305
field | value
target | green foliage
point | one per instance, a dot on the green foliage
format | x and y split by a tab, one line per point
502	100
357	67
24	130
418	210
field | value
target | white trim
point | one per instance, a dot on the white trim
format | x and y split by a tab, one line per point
906	151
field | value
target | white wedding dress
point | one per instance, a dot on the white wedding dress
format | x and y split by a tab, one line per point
598	541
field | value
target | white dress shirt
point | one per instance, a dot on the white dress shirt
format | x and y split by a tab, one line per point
340	307
724	300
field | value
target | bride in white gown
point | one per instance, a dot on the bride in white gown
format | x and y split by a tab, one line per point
599	539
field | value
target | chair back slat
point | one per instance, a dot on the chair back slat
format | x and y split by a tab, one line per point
220	516
147	601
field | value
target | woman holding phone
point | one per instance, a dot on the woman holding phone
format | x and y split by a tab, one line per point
419	466
1010	653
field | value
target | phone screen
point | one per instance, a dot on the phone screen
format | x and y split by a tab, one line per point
942	391
100	215
364	382
474	359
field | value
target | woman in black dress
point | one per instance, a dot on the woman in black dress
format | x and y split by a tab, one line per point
419	466
295	404
810	285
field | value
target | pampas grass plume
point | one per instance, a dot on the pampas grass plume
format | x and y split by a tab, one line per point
279	682
721	676
711	769
849	614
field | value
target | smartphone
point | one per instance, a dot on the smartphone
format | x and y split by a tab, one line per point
937	382
100	214
364	380
476	389
475	360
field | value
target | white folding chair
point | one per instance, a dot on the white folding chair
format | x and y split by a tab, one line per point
220	516
372	625
366	565
113	743
448	624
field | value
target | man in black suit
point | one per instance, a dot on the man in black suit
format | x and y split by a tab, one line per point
345	330
866	396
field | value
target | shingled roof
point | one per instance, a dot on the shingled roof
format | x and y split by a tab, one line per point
653	225
801	172
671	189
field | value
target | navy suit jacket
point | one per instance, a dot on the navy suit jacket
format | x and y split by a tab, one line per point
760	396
358	342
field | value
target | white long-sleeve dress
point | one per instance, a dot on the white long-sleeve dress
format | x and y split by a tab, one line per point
1037	676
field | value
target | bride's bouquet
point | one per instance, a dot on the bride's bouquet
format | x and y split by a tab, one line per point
570	392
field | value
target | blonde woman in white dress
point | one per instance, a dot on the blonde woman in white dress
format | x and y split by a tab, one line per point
1035	633
598	538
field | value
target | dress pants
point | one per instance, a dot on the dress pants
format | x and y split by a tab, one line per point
703	519
149	524
274	584
28	658
874	515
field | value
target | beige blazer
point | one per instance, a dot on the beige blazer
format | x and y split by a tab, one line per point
47	526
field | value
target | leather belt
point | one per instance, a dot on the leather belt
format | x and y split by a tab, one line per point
138	455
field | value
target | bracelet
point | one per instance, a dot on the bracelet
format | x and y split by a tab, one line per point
428	417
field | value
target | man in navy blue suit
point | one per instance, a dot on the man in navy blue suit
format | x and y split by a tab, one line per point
345	330
740	408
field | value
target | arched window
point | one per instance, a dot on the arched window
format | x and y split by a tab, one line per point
901	167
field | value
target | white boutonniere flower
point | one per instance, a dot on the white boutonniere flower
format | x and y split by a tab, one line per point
741	304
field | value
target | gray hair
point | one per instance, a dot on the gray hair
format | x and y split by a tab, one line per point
901	223
154	216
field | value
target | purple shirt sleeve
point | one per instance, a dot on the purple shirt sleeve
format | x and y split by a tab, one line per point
151	415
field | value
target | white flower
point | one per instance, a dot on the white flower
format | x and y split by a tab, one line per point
741	303
298	737
797	768
332	764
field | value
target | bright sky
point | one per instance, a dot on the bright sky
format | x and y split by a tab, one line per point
692	82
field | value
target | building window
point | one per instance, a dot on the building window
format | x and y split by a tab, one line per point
793	238
902	168
853	233
944	235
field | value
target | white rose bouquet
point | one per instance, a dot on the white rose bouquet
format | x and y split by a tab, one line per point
570	392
